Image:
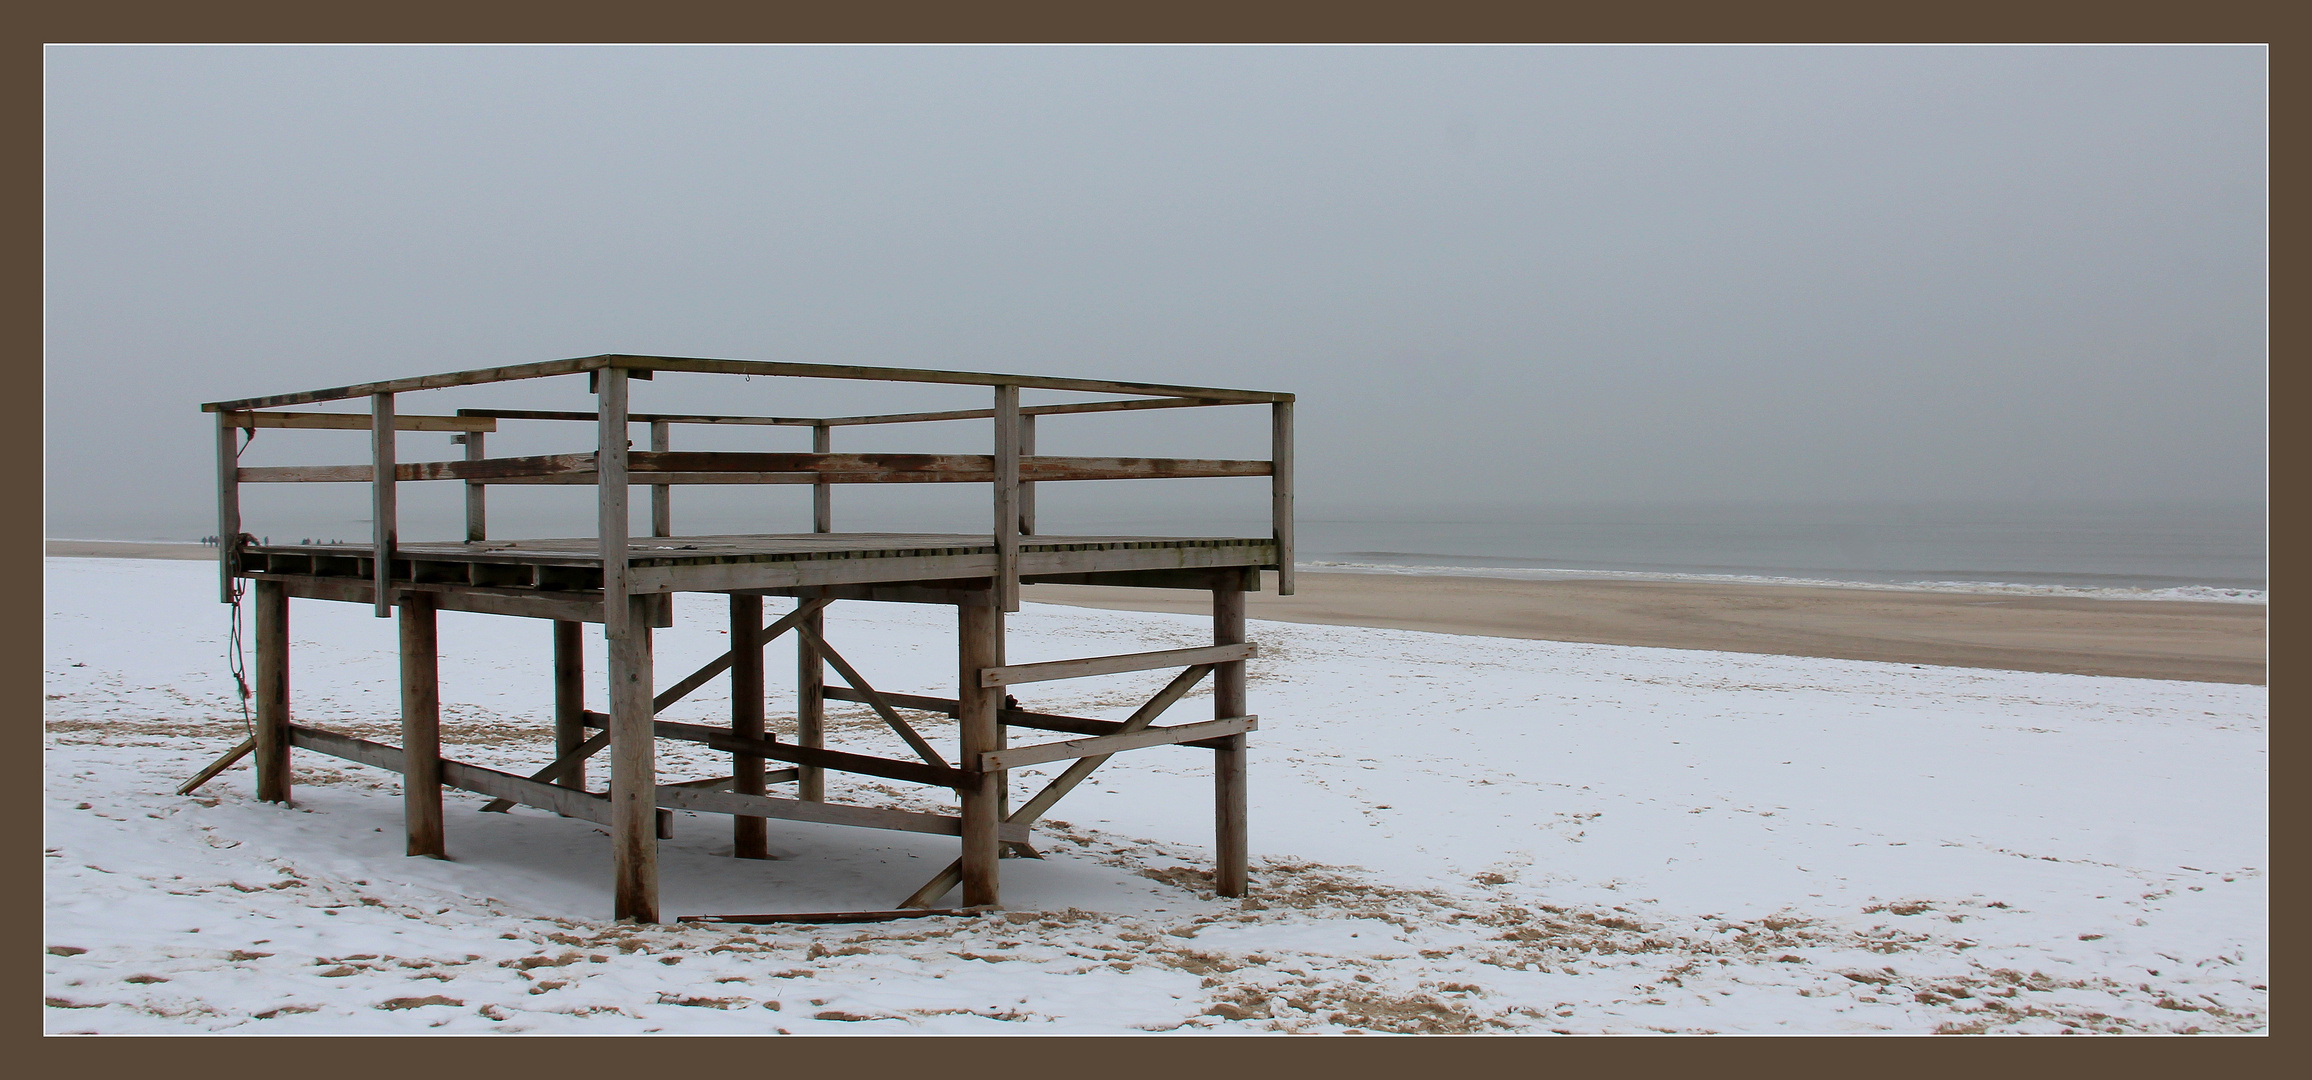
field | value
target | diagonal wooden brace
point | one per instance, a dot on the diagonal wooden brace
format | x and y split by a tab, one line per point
722	663
218	766
553	774
874	700
1066	782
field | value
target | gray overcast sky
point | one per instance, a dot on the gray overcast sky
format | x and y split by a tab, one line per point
1517	275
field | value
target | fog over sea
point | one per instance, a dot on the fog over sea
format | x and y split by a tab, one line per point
2168	550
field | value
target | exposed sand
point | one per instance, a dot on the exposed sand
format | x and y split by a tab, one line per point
2145	639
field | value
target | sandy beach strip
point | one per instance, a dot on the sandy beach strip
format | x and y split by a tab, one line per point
2144	639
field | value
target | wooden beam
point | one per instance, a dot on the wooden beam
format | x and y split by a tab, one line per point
1007	489
1130	405
382	507
822	491
907	733
1231	858
979	633
1108	665
228	509
520	603
749	838
661	495
633	749
354	421
811	704
532	467
763	806
913	772
645	418
567	769
421	729
422	382
1026	498
1100	745
272	691
220	765
570	702
921	375
1280	492
477	494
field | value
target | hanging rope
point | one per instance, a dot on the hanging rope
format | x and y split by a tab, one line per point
238	659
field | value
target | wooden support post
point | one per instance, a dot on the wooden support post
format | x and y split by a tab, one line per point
570	695
979	633
1280	491
811	703
1007	490
272	691
1230	875
421	727
382	506
749	836
822	492
626	627
1027	495
661	495
228	504
477	492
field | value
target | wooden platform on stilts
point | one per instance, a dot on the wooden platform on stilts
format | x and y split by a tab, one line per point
624	583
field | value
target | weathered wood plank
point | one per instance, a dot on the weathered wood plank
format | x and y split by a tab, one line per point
354	421
825	813
271	616
822	490
1006	486
1129	405
525	604
1107	665
384	507
228	508
661	495
1020	756
921	375
913	772
1280	494
1231	832
980	643
421	729
749	838
477	493
567	769
644	418
633	749
537	466
218	766
422	382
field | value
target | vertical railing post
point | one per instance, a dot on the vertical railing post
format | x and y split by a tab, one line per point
477	492
570	696
1280	491
822	492
382	507
633	749
810	667
1027	496
1007	489
228	503
661	495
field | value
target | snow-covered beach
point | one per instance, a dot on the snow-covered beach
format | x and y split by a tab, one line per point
1450	833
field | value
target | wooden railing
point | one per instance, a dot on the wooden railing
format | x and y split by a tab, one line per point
1012	469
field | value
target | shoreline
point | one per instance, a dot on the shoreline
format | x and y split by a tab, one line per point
2199	641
